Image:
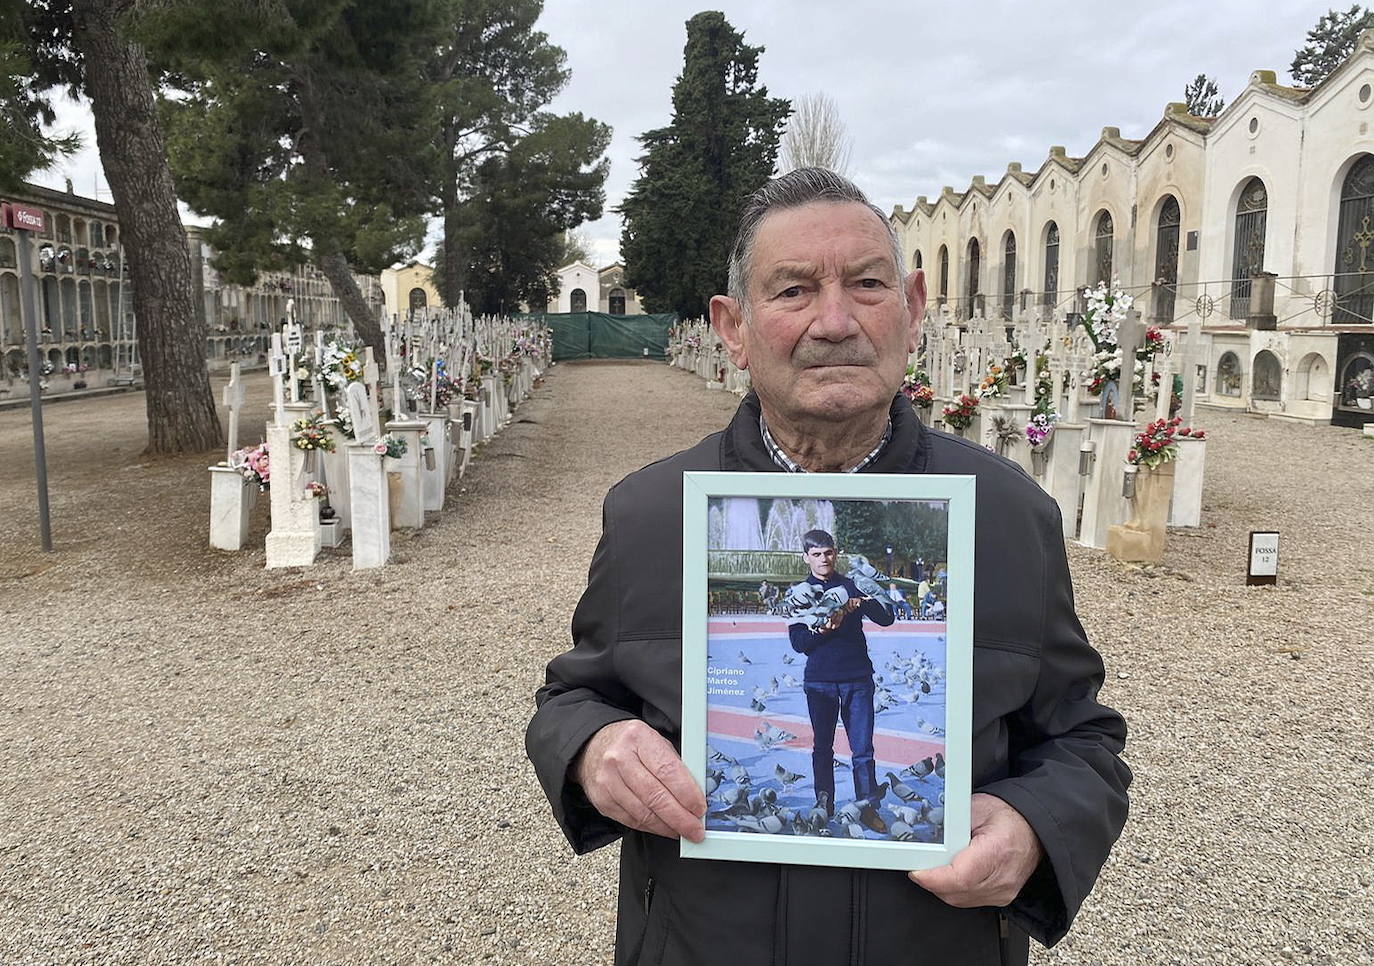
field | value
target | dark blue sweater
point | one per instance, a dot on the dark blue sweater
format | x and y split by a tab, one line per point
841	655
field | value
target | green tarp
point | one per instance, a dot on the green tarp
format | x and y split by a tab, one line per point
595	335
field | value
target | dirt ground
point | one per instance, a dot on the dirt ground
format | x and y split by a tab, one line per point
205	761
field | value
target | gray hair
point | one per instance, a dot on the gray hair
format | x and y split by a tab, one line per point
804	186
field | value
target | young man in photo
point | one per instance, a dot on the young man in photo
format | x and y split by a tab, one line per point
839	680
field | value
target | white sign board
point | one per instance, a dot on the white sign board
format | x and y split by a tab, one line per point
1264	558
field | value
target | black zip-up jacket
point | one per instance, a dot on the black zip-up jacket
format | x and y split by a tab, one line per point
1041	740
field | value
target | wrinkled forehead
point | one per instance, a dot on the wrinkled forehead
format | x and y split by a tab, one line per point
827	236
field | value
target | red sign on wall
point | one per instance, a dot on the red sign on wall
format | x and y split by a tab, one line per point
22	218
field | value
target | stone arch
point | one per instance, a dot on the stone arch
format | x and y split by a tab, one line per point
1104	241
8	255
1266	376
1228	376
1008	273
1354	262
72	356
419	298
944	274
11	322
1313	379
88	356
974	261
615	301
1168	218
55	357
1355	383
68	286
917	262
15	362
1051	277
1248	233
577	300
106	357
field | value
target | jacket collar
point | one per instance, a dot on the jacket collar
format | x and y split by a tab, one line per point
742	447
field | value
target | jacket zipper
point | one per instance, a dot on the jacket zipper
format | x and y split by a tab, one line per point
1003	938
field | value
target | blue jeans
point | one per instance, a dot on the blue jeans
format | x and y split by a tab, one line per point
852	702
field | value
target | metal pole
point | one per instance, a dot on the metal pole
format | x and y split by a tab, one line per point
27	305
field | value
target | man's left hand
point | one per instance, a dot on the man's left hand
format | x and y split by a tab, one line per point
1002	853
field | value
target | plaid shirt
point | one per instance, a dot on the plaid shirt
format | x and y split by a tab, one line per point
791	465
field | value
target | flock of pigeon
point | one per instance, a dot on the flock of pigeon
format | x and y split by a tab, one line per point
741	801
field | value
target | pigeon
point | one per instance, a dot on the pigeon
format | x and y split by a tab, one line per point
854	830
921	769
758	705
841	764
744	658
936	816
760	695
772	687
765	803
735	796
713	780
909	814
789	658
740	775
881	705
910	697
713	755
766	824
820	812
865	575
849	813
788	778
905	792
789	680
801	825
768	735
901	832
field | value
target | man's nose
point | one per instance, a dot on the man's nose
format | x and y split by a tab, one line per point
834	319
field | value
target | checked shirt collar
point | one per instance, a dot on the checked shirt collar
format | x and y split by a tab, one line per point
791	465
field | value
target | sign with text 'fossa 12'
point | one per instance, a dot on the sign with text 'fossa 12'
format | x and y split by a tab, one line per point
22	217
1264	558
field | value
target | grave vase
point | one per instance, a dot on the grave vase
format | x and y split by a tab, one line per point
1141	539
1040	458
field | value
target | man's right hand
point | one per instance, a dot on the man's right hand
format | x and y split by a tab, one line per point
632	775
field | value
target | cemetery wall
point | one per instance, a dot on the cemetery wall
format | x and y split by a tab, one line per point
87	328
1176	219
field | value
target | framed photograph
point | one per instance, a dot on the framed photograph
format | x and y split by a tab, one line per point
827	666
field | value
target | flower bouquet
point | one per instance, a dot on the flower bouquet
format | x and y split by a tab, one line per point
1157	444
311	433
391	446
994	382
253	463
959	416
917	388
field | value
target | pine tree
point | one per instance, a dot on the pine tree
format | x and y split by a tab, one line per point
1203	97
305	128
24	109
495	75
722	144
511	239
1329	43
86	46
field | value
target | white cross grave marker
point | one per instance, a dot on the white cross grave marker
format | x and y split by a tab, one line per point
233	401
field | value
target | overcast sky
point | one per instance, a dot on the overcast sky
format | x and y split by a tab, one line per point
931	93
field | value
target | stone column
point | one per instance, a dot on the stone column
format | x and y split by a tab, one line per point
370	508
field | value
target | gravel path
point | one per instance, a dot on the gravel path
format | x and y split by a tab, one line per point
207	762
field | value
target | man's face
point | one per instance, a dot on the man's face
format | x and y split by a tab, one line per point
821	560
829	331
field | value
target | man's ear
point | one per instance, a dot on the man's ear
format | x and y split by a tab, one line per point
728	321
916	305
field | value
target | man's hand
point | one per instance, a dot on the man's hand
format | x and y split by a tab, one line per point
837	618
1002	853
632	775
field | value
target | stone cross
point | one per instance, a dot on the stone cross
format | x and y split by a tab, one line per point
362	409
233	401
1164	367
317	377
371	377
1130	336
393	367
1192	343
278	370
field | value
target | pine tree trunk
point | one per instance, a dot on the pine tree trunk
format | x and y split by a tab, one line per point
171	338
365	325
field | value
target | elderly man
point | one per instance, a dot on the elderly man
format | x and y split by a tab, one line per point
820	313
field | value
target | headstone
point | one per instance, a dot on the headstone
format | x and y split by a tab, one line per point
405	480
363	412
233	402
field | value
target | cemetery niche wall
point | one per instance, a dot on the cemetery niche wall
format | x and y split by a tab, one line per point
86	323
1256	225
